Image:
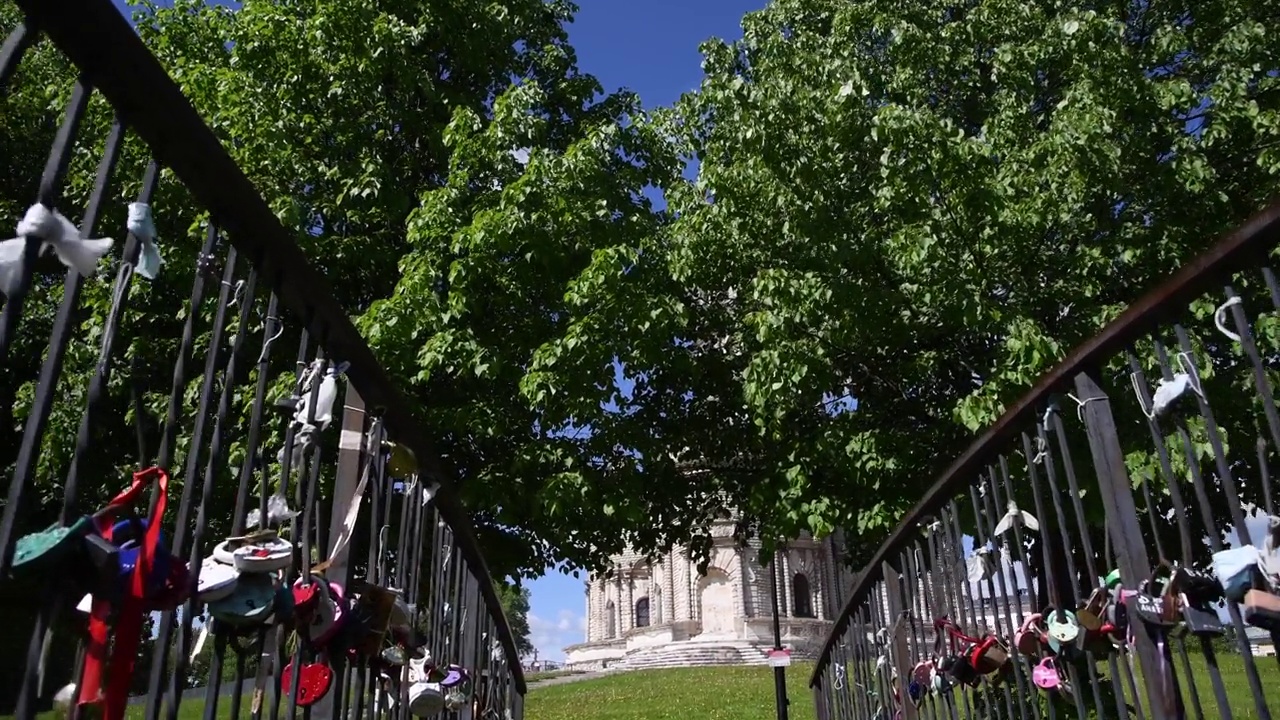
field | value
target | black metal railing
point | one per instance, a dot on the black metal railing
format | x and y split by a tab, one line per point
287	540
1108	547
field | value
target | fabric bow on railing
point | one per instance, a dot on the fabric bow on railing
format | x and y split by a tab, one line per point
143	227
1014	515
57	232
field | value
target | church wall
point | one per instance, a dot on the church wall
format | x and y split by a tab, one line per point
672	585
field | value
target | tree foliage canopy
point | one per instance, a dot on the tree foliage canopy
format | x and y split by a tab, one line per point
901	215
515	605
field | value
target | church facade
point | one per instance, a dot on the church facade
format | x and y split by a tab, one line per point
664	613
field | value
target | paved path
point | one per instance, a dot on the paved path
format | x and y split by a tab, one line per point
561	679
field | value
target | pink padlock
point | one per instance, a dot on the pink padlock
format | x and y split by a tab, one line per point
923	673
1045	675
1030	636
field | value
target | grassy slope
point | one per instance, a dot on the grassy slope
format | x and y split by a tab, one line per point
721	693
746	693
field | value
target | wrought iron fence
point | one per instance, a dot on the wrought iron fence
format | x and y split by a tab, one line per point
284	536
1108	548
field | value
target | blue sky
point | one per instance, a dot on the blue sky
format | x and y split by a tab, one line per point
651	48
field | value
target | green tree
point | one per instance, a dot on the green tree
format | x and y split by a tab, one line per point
902	216
336	110
921	206
515	604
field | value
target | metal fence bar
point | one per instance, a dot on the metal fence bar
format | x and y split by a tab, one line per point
411	540
1109	596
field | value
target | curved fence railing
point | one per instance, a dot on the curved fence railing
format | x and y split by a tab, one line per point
220	504
1108	548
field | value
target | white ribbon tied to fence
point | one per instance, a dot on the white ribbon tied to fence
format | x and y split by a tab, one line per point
56	232
1013	515
143	227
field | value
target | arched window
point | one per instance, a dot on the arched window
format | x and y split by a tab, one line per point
802	605
642	612
610	621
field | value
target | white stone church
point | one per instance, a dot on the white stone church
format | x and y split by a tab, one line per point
665	613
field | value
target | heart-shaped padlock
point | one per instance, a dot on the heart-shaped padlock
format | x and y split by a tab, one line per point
217	580
1062	628
1029	638
922	672
251	603
326	619
1156	603
49	550
313	682
305	597
1045	674
332	613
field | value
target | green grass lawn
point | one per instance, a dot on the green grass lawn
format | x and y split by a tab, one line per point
746	693
716	693
1234	682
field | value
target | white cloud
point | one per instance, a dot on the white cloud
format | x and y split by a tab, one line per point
551	635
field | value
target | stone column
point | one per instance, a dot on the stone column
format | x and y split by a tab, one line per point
820	589
594	603
744	581
586	591
630	614
695	601
602	604
602	608
687	580
784	583
620	605
668	596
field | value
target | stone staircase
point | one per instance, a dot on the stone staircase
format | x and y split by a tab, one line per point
691	653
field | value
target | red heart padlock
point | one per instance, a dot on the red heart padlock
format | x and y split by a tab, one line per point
304	598
313	683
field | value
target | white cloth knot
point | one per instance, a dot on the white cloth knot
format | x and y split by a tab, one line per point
143	227
1169	392
325	397
1015	515
57	232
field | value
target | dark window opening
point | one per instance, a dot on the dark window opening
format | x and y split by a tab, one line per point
642	612
802	597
